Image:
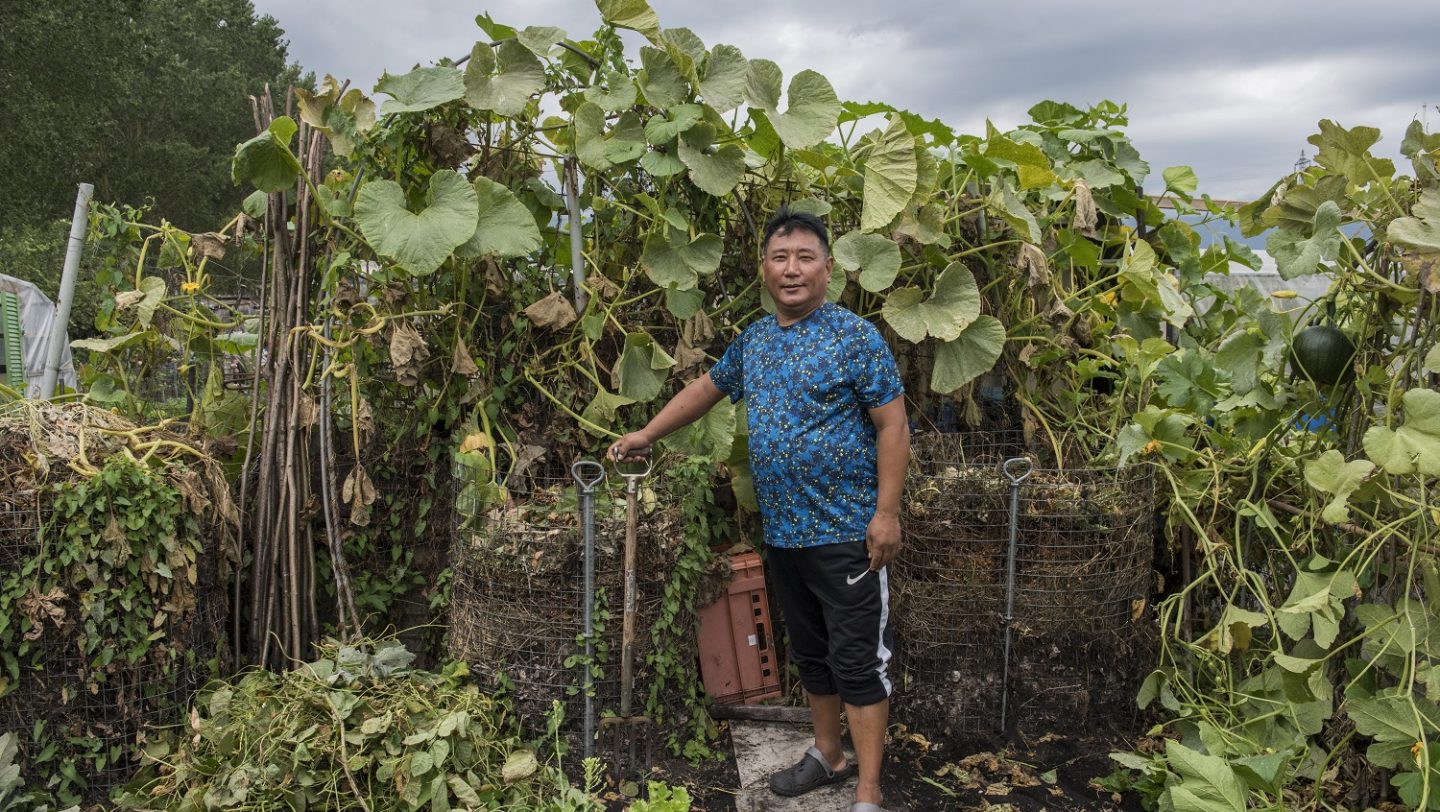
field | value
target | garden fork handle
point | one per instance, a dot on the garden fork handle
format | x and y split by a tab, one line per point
627	629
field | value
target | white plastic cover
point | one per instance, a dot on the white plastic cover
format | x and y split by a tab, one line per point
37	319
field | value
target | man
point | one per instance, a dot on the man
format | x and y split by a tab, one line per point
829	443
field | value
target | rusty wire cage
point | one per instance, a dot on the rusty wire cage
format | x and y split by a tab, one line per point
516	603
22	515
1082	556
94	720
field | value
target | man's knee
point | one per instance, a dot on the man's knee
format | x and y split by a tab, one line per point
862	686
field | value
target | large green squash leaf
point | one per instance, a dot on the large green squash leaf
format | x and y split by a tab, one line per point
660	79
509	89
670	258
539	39
1241	354
1415	446
663	128
686	50
683	304
1032	166
505	229
418	242
617	92
723	84
1190	379
875	256
1145	284
601	150
1205	783
635	15
716	173
1348	153
891	175
1395	720
420	89
1420	231
1181	181
1297	254
600	412
1007	205
953	306
1235	630
1165	427
1316	605
1421	148
640	373
662	164
968	357
266	161
813	106
1330	473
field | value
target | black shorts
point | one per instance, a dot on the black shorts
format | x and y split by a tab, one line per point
837	613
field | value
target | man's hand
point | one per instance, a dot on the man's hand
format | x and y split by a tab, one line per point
633	447
882	539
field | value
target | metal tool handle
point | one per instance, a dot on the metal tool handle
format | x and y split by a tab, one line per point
627	629
588	474
1017	470
632	476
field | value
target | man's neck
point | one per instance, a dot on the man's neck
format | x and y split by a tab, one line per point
786	321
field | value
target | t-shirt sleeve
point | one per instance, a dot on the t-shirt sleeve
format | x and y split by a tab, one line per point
877	378
728	373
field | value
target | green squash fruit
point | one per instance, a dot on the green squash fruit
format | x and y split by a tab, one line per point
1323	354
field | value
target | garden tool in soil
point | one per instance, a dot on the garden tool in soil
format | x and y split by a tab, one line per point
1017	470
627	736
588	474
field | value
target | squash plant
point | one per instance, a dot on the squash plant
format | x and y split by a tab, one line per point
533	246
1296	664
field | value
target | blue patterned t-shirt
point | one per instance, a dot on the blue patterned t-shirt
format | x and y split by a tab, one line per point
807	388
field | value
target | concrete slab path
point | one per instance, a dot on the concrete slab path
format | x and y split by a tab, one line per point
762	748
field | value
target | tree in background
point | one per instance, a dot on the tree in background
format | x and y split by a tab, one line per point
144	98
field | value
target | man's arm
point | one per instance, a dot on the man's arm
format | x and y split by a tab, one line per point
892	456
688	405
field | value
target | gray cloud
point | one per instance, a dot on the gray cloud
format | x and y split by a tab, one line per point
1231	88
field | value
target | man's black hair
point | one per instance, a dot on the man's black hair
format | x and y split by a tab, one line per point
784	222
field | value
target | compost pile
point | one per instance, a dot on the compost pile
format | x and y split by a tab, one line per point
1082	574
116	541
517	596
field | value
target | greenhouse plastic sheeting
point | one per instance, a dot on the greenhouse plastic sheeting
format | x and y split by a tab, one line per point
37	317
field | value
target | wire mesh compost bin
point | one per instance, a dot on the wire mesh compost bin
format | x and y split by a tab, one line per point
1019	591
516	608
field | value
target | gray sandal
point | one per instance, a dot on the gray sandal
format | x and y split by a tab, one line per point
866	806
811	772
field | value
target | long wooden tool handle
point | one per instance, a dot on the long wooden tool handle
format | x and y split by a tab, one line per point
627	636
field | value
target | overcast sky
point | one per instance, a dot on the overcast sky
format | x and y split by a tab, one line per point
1230	88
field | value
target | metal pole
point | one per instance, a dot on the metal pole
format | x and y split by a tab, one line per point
577	252
55	350
1017	470
588	474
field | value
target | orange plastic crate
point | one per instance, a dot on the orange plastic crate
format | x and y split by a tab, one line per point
737	646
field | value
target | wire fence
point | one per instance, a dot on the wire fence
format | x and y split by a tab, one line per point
1083	543
22	515
517	595
89	716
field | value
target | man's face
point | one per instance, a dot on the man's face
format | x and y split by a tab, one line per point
797	269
